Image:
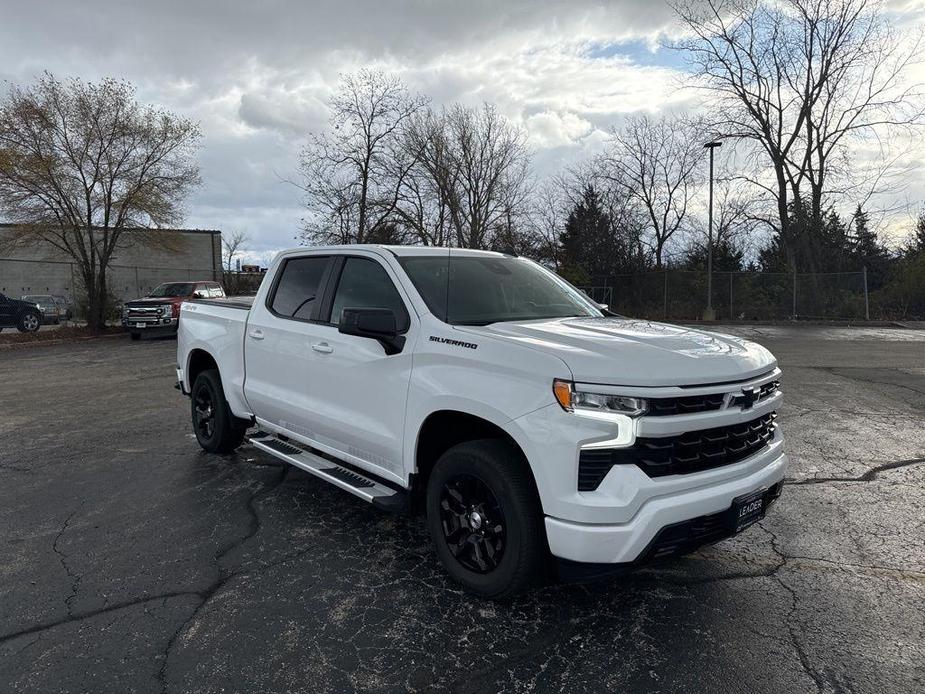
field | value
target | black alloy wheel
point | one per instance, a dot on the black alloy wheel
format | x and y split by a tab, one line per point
217	429
205	412
485	518
473	523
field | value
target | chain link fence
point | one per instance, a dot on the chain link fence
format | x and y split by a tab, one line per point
745	296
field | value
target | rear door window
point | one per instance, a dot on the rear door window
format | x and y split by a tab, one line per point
298	291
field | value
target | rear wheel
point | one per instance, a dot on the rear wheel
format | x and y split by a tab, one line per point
485	519
29	322
217	429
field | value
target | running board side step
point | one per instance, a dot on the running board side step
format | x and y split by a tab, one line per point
302	457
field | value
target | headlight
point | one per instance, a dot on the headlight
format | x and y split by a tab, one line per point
573	400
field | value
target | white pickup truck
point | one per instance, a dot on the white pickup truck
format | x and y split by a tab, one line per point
535	431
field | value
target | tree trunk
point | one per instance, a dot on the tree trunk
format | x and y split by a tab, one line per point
96	302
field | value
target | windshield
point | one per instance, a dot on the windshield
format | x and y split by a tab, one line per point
492	289
173	289
38	299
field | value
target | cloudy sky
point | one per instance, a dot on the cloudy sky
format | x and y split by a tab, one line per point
256	75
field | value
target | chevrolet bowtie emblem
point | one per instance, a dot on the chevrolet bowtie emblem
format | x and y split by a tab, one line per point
749	398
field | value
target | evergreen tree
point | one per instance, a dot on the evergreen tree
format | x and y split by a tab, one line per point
589	248
811	246
867	251
726	257
916	244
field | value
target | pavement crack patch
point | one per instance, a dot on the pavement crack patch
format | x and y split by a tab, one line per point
840	371
62	557
868	476
792	628
484	679
80	616
222	575
15	468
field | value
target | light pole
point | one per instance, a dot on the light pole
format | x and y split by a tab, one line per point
709	313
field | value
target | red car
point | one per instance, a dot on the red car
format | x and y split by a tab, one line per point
159	312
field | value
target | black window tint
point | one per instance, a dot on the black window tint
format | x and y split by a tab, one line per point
365	284
297	291
478	290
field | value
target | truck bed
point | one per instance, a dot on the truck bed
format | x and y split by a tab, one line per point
217	327
239	302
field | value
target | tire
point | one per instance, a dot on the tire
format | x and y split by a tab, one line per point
217	429
29	322
486	562
135	337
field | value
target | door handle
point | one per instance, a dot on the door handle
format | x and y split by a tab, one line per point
322	347
256	334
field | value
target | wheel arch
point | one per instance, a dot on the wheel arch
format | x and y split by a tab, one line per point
197	361
445	428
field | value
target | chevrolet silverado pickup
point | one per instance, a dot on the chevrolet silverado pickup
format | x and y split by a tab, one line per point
535	431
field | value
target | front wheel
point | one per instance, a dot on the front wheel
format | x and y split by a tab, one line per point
485	518
217	429
29	322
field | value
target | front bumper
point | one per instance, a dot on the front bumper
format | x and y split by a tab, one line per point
161	325
632	541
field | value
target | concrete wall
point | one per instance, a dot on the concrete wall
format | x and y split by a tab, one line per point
144	259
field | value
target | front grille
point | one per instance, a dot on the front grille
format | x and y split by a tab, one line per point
688	404
693	451
764	392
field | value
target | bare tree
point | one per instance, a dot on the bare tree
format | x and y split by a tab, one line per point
81	162
233	244
424	205
548	211
656	160
352	174
801	80
734	219
475	167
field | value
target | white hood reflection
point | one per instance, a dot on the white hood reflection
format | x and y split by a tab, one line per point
622	351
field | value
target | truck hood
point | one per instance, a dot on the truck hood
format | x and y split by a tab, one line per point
154	301
621	351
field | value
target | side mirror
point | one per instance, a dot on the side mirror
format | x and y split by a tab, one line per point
375	323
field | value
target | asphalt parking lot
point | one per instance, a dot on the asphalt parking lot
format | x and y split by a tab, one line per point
133	562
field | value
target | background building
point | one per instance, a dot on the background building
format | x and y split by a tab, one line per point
144	259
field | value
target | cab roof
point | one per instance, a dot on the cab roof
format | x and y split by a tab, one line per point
400	251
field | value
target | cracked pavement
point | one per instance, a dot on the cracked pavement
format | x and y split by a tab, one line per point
134	562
